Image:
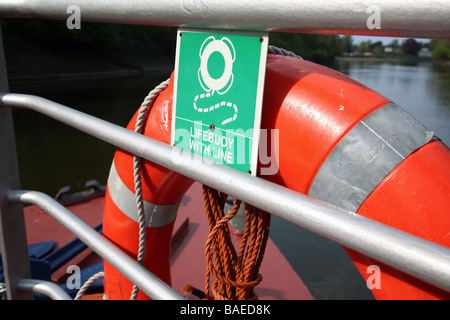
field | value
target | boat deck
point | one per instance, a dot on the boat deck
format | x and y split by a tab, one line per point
280	281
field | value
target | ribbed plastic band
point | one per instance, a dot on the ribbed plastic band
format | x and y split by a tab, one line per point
368	152
156	215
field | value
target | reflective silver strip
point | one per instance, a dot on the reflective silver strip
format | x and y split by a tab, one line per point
364	157
156	215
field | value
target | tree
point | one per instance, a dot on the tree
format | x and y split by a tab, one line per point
411	47
363	47
377	48
347	43
440	49
394	44
314	47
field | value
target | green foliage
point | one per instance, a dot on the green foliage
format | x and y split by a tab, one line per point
312	47
347	43
54	36
98	37
51	35
440	49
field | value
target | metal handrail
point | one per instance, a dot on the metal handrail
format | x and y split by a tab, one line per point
48	288
130	268
397	18
415	256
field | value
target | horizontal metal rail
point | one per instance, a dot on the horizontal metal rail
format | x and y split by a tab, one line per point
410	254
48	288
130	268
395	18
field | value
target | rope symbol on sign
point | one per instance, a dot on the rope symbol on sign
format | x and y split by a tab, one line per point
222	84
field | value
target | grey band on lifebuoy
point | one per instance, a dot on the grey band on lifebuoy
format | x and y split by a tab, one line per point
367	153
156	215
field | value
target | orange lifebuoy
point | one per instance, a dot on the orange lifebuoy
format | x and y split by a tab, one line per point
338	141
162	191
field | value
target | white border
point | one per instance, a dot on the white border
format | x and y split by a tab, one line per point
259	102
259	89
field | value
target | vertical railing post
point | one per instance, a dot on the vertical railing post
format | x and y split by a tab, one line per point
13	238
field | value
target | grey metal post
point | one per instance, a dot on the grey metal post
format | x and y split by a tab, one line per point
12	223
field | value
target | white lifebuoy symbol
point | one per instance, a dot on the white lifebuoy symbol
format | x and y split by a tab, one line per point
226	49
221	85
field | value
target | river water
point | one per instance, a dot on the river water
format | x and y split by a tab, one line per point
51	155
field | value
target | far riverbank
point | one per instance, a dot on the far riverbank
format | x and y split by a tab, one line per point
381	59
409	59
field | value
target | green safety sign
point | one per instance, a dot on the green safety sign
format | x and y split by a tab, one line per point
218	90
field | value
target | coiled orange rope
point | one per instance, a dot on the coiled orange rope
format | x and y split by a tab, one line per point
236	274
